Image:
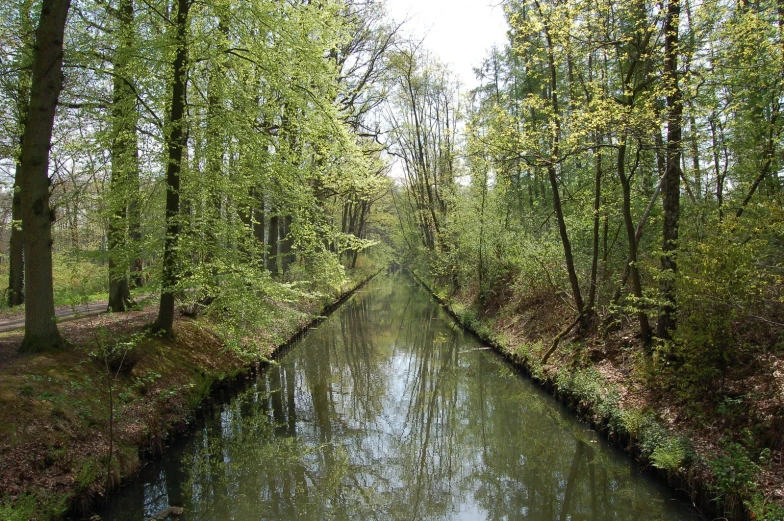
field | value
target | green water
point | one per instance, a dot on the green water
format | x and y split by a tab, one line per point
388	411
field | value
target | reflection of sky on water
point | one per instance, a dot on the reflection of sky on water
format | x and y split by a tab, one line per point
387	411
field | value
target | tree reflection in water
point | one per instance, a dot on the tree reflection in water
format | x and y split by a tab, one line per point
388	412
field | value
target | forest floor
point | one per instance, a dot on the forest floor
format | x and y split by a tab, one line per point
722	447
61	412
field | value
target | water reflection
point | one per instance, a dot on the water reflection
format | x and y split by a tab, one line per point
389	412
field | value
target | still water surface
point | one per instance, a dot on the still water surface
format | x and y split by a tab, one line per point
388	411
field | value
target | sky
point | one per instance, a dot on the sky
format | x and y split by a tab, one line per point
458	32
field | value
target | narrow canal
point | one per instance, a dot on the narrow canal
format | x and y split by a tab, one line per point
388	411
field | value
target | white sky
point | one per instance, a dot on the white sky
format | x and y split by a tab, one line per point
458	32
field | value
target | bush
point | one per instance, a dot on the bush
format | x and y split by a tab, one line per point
77	279
734	472
670	455
730	299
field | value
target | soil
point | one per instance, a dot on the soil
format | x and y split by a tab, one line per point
55	407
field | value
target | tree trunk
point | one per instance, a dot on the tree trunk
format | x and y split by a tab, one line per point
134	229
770	155
597	203
16	247
176	144
642	316
637	236
287	245
119	288
123	150
245	213
47	79
272	257
360	230
567	246
135	214
672	175
215	148
481	272
695	157
259	219
552	175
716	168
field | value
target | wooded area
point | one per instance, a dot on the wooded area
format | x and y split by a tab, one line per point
619	168
206	151
618	185
585	133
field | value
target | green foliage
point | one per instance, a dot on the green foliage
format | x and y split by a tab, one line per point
670	456
22	510
734	287
652	435
630	421
470	319
30	506
734	472
244	304
87	473
563	113
320	272
524	349
78	279
763	509
589	387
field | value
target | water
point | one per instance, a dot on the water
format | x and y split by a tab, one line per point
388	411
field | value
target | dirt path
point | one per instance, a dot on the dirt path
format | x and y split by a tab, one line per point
16	320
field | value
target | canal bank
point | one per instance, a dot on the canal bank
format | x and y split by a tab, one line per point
75	424
387	410
719	485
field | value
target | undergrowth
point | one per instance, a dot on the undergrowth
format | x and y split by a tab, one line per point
29	507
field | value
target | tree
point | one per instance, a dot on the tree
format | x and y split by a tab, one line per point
546	27
423	120
177	139
18	89
124	160
41	331
671	184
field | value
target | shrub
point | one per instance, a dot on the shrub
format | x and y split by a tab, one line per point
734	472
670	455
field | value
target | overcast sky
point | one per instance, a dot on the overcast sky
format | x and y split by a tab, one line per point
459	32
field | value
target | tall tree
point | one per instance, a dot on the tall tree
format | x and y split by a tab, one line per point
22	88
671	189
552	162
41	331
124	159
176	139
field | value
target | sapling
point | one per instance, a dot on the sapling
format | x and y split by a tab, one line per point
114	355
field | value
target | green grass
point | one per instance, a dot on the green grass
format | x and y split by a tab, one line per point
76	279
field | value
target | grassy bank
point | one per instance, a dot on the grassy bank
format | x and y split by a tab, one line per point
75	423
603	378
